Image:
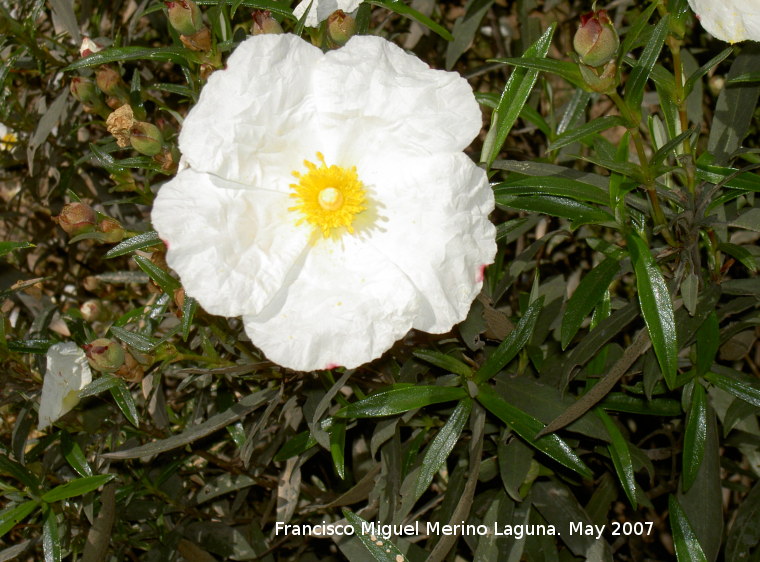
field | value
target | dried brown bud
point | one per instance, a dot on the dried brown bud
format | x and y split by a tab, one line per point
120	123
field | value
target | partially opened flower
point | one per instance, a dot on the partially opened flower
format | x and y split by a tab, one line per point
327	199
729	20
67	373
320	10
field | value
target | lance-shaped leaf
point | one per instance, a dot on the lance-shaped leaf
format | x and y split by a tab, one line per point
695	435
76	487
399	400
381	550
589	293
621	457
441	445
684	538
516	92
634	89
527	427
552	185
656	307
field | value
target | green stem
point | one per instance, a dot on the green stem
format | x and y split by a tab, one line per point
675	49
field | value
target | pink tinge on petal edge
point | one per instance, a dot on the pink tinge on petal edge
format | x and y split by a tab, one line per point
481	273
166	243
331	366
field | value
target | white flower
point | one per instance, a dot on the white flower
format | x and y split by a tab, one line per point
89	47
320	10
729	20
67	373
8	138
327	199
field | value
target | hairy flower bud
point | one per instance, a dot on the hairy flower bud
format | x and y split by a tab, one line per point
104	355
83	90
263	22
146	138
111	230
76	218
596	40
184	16
341	27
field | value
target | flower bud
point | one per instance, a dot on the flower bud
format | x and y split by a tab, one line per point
92	310
109	81
596	40
83	90
76	218
88	47
111	230
146	138
601	80
184	16
264	23
200	41
131	370
341	27
104	355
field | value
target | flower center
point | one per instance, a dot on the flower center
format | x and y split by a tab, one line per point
328	197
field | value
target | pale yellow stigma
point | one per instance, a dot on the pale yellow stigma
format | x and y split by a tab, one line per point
328	197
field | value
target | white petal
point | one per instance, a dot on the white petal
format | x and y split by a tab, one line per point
347	306
253	118
433	224
371	87
729	20
320	10
232	246
67	373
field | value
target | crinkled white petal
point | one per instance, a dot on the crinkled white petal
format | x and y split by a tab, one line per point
67	373
253	121
347	306
729	20
231	245
372	87
320	10
433	224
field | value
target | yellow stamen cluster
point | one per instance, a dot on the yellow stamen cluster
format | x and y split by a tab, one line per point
328	197
8	141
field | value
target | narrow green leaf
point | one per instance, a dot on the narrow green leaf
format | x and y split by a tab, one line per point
556	207
51	541
179	55
620	402
637	28
381	550
740	389
123	398
587	295
442	445
161	277
19	472
586	130
621	457
403	10
465	28
694	436
74	455
663	152
656	307
705	68
634	88
552	185
567	70
685	541
337	448
101	384
76	487
10	517
295	446
512	344
138	341
516	92
445	362
528	427
8	247
740	253
144	240
189	307
399	400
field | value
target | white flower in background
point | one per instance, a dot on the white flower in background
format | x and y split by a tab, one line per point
8	138
89	47
67	373
729	20
320	10
328	201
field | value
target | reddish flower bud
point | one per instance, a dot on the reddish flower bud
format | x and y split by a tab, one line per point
341	27
104	355
76	218
184	16
111	230
596	40
146	138
263	22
